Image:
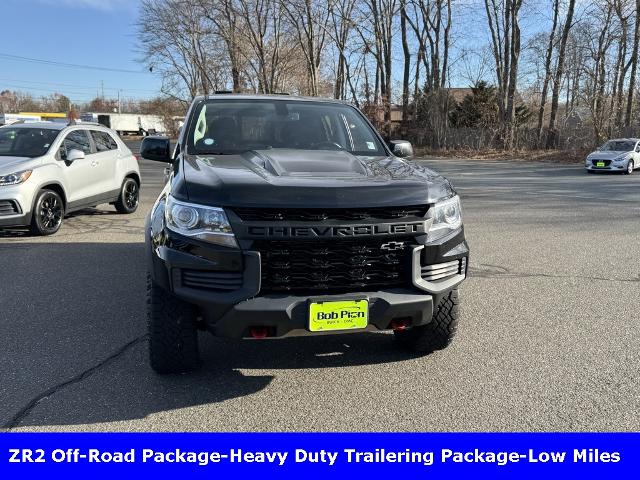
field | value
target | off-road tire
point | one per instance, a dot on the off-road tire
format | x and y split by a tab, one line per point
173	335
129	198
437	334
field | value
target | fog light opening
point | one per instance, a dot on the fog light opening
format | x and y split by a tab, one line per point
399	324
259	332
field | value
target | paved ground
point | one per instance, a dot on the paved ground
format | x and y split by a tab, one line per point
550	336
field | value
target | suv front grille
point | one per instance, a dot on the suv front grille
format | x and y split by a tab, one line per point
322	214
338	265
8	207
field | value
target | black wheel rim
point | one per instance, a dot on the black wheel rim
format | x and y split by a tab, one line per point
131	194
50	212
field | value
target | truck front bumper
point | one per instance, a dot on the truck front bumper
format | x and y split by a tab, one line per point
236	311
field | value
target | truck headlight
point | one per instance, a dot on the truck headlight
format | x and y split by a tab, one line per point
15	178
209	224
447	217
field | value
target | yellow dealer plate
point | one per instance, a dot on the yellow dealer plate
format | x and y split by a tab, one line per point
600	164
342	315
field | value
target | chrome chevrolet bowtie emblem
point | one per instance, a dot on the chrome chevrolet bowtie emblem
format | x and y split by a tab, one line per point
392	246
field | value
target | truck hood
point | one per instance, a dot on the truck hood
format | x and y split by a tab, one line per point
309	178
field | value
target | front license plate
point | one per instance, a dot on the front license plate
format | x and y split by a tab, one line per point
599	164
342	315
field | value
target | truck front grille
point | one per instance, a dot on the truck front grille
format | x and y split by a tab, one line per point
322	214
342	265
8	207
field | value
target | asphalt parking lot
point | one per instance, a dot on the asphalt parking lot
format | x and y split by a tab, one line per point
549	340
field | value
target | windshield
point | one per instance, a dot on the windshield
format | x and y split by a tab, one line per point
236	126
618	146
26	142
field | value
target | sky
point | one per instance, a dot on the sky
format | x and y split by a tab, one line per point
102	33
97	33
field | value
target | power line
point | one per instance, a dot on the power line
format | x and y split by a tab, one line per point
8	56
83	87
46	90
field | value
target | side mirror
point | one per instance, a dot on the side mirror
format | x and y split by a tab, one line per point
157	149
75	154
402	148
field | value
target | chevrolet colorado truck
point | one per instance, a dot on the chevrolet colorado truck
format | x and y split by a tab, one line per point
286	216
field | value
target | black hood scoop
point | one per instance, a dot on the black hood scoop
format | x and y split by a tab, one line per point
307	163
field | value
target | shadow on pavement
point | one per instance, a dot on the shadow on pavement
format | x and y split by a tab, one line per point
77	353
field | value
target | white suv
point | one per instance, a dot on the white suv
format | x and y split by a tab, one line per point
49	169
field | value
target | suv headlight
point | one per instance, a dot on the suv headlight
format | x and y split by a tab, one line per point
15	178
209	224
447	217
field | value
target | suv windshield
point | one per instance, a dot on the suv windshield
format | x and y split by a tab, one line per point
618	146
26	142
235	126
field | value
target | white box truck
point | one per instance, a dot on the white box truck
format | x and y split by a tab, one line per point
9	118
129	123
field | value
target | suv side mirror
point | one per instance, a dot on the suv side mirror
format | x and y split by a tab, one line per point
74	154
157	149
401	148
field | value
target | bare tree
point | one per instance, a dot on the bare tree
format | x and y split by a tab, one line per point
383	13
559	72
547	65
340	25
431	22
407	61
634	66
183	51
224	16
310	19
504	25
263	32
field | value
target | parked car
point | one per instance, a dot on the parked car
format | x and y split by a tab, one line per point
50	169
618	155
287	216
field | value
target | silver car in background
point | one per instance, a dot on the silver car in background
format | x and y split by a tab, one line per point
617	155
50	169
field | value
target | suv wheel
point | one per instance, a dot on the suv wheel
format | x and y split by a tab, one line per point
48	213
173	334
129	196
437	334
630	167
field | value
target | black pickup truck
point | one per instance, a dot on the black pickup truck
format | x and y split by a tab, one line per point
287	216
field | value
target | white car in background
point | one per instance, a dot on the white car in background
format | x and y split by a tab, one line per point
49	169
617	155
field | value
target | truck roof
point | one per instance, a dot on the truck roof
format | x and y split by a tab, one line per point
275	96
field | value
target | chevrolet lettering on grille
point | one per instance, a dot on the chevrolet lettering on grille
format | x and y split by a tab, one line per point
255	231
